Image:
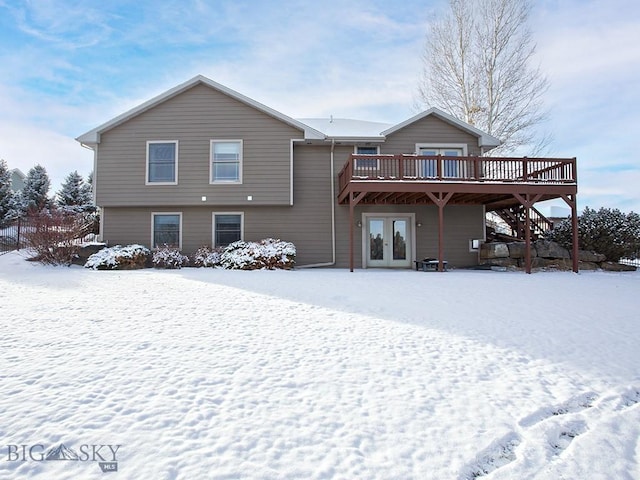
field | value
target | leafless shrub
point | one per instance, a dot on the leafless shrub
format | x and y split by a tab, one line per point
53	237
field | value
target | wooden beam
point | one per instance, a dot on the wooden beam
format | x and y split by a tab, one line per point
527	240
440	200
351	227
571	200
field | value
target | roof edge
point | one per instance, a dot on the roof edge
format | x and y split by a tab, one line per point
92	137
484	139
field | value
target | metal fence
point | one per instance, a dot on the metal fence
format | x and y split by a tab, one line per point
12	235
635	262
16	234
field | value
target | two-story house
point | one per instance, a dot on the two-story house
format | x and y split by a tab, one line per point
204	165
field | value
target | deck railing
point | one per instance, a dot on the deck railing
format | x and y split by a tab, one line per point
458	169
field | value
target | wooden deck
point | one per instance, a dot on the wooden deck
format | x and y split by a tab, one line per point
495	182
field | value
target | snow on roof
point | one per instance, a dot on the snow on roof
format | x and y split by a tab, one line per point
347	128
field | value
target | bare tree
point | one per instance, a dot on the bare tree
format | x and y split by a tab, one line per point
478	67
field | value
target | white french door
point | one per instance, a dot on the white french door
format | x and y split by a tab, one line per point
388	241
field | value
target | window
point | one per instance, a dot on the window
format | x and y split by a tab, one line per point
162	162
367	164
227	228
429	168
166	230
226	161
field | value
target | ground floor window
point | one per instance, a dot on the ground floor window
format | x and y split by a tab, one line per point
166	230
227	228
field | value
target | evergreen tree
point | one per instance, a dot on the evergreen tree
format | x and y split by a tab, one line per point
7	200
75	194
607	231
34	196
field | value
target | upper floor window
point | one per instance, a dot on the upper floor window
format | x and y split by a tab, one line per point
450	168
162	162
226	161
367	163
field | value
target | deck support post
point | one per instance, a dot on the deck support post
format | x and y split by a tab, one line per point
572	202
351	227
353	201
440	200
527	201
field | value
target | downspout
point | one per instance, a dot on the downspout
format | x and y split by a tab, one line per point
95	165
94	183
333	217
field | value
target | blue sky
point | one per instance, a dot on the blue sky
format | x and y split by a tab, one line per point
67	66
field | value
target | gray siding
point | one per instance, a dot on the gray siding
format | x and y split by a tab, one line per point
194	117
461	224
200	114
307	223
428	130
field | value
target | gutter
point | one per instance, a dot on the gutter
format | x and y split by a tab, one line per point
333	217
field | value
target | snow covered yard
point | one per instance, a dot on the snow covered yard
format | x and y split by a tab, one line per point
318	374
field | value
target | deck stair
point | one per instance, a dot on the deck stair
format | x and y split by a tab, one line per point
514	217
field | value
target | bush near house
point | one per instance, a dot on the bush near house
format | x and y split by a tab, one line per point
206	257
267	254
52	237
169	257
119	258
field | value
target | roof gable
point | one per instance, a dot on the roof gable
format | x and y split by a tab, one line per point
484	139
93	136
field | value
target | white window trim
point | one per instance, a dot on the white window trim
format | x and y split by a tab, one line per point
175	167
240	161
355	152
153	214
355	149
412	232
213	225
442	146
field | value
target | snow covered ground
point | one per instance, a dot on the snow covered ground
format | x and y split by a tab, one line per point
318	374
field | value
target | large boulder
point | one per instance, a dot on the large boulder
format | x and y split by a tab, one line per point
551	263
587	265
617	267
548	249
501	262
494	250
587	256
518	250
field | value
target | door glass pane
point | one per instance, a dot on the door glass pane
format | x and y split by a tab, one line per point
399	239
427	168
450	167
376	239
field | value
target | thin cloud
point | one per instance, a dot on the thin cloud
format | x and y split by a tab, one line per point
67	66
